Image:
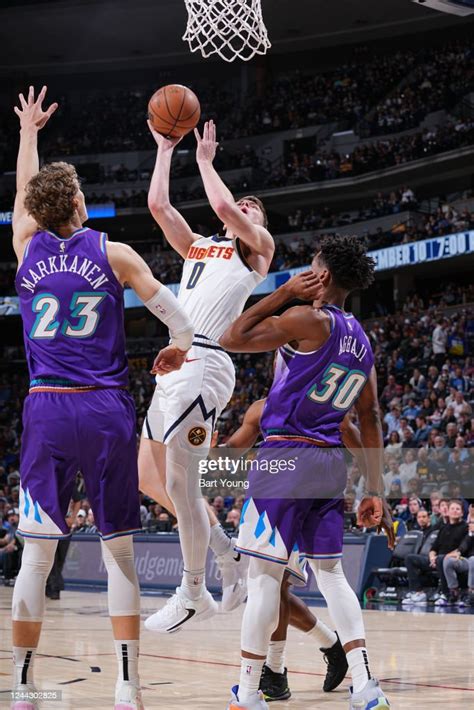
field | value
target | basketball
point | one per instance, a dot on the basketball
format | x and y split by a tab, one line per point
174	110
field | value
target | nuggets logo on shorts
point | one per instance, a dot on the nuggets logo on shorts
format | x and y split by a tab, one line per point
197	435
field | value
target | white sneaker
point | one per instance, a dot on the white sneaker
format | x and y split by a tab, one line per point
370	698
442	600
257	703
234	570
179	609
128	697
25	698
419	598
407	600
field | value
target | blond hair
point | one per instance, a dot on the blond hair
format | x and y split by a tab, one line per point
50	195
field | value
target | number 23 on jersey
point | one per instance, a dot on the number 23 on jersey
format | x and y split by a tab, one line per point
83	310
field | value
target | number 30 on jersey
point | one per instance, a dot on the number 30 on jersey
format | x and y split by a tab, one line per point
339	386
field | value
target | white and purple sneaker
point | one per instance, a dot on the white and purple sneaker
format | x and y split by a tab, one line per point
128	697
257	704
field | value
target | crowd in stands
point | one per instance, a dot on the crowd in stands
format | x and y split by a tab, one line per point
302	167
436	83
383	204
381	91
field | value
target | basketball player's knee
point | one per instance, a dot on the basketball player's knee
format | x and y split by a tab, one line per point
264	586
182	469
328	572
123	588
263	606
28	596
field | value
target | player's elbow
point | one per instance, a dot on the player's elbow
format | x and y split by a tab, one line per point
224	209
158	206
233	340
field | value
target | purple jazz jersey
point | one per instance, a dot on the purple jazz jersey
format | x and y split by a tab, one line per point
94	432
302	507
312	392
77	416
72	309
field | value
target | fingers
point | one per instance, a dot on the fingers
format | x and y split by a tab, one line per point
41	96
31	96
22	101
153	131
212	131
198	137
52	109
390	534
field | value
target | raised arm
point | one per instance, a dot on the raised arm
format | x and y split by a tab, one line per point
177	231
258	330
32	118
129	268
255	237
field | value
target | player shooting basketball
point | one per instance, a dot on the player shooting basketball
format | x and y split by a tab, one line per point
79	414
325	366
219	274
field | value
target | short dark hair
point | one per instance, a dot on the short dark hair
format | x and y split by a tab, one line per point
345	257
257	201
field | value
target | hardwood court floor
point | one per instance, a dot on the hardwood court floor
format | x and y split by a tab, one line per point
424	660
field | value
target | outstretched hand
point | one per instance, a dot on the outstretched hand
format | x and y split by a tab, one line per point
373	512
162	141
31	113
207	145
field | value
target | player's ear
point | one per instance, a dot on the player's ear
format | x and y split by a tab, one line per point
325	278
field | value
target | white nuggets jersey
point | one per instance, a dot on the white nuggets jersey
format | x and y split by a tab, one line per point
215	284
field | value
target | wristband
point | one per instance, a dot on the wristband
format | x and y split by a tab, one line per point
165	306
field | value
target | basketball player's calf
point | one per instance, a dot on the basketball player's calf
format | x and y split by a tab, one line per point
294	612
152	472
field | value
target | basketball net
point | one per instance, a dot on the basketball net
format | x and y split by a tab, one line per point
230	28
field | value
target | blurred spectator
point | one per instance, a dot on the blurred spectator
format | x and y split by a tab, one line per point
232	520
461	562
448	539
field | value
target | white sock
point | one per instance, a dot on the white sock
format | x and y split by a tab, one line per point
127	661
276	656
23	660
358	661
322	634
220	542
193	583
250	672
